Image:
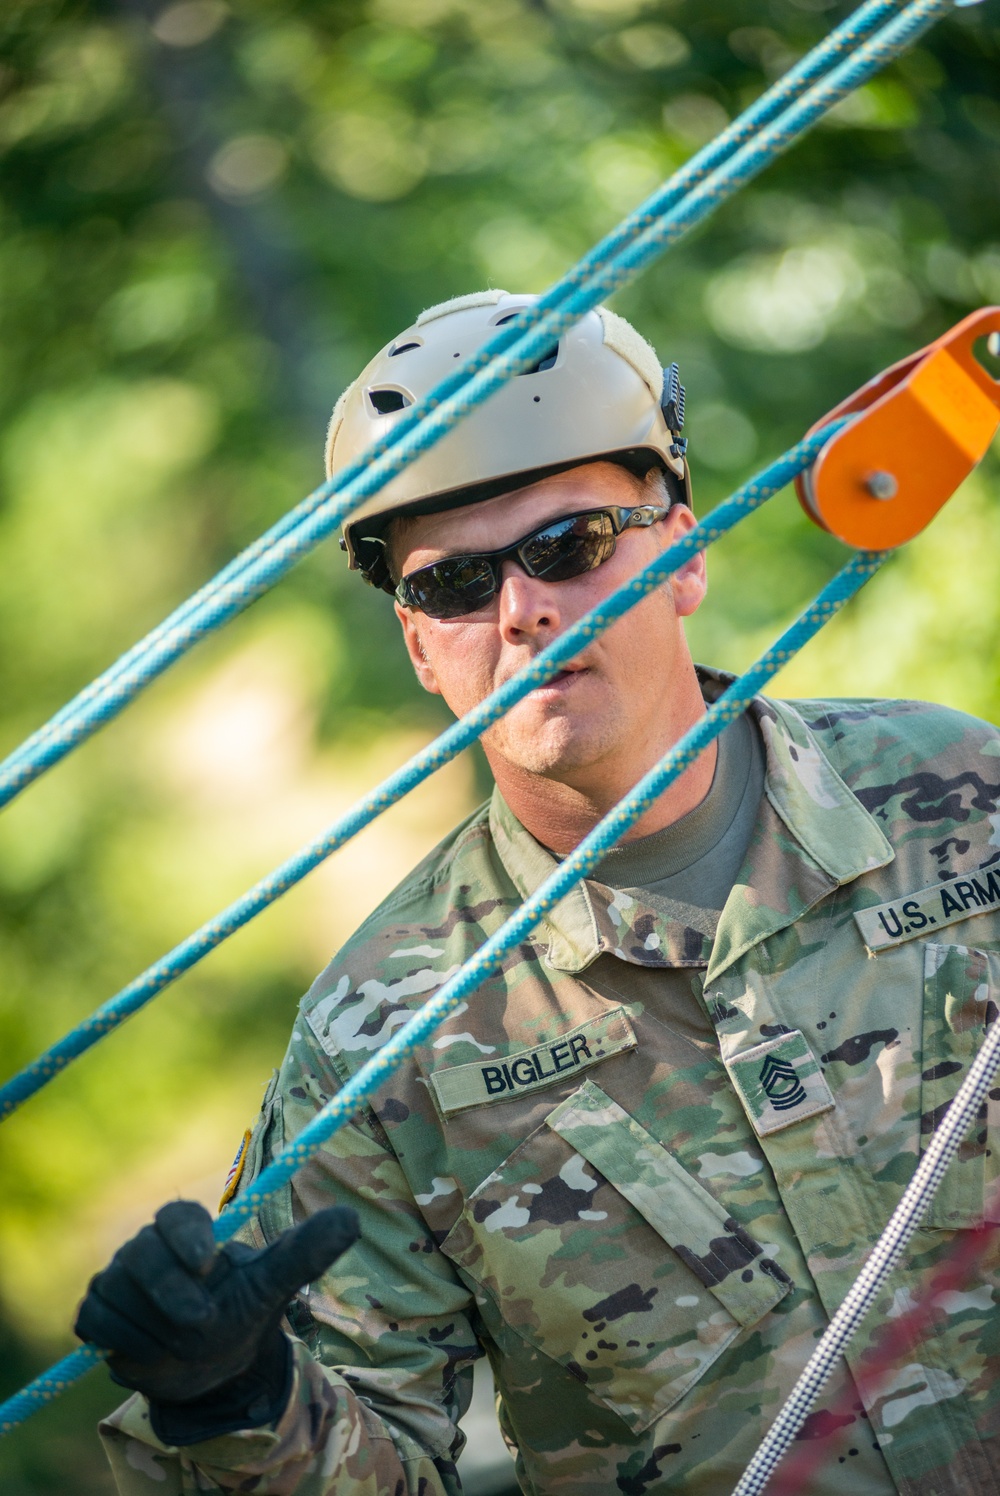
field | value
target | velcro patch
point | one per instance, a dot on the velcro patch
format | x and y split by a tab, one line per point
780	1083
529	1070
943	904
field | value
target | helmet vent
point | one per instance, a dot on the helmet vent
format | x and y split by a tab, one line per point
545	362
547	359
387	401
398	348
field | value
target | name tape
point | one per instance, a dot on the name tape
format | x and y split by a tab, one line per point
525	1070
944	904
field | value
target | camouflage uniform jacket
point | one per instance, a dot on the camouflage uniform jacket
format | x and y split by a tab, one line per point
644	1223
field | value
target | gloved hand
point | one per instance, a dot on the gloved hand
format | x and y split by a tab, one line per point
197	1327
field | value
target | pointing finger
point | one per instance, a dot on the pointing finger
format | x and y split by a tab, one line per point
303	1254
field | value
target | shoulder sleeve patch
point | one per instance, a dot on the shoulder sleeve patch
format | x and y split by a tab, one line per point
236	1171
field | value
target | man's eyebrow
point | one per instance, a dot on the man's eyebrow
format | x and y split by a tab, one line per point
525	535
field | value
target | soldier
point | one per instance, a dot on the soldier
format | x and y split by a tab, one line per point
641	1169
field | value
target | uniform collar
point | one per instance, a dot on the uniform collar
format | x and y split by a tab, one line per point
593	919
812	836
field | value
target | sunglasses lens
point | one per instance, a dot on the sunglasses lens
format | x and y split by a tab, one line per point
570	547
463	584
450	588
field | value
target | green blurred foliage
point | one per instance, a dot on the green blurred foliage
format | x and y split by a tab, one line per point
211	215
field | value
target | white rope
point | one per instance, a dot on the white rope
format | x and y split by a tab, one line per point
885	1255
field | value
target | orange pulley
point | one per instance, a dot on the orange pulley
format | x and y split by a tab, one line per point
921	427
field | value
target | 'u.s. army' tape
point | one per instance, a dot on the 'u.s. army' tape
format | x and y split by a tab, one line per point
942	904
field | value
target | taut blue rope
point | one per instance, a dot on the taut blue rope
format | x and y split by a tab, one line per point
117	1009
784	91
644	236
788	88
489	958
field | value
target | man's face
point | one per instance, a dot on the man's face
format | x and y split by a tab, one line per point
624	699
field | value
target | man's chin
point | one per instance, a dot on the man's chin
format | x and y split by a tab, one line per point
552	752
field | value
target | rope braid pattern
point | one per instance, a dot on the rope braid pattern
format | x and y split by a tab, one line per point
633	246
686	200
490	956
453	741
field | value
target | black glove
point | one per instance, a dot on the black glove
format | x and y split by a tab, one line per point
197	1328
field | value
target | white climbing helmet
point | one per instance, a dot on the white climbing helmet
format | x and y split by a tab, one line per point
600	392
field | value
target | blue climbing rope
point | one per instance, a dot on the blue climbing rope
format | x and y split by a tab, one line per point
446	747
818	61
633	246
489	958
453	741
644	236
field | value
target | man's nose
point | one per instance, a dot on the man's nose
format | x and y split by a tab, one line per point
529	606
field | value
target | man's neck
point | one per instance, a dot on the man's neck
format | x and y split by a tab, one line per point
561	812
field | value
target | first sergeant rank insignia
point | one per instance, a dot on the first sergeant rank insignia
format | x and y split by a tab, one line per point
780	1082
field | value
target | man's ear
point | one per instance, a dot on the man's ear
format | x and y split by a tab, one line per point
415	649
690	582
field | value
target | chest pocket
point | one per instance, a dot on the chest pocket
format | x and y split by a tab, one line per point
568	1239
961	993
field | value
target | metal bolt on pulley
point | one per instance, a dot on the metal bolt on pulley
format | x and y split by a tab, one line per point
882	485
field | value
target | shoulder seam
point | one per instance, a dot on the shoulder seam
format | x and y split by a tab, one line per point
408	890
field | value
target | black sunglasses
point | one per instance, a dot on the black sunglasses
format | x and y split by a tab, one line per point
562	548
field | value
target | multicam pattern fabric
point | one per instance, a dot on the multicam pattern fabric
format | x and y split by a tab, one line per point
646	1265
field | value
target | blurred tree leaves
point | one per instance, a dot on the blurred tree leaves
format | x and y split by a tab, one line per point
211	215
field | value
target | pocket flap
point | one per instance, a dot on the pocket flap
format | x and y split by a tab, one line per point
716	1249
